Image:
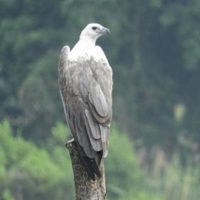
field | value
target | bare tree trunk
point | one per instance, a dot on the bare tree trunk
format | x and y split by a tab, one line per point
86	189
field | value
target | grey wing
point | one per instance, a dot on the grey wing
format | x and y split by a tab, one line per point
99	102
92	104
73	106
101	93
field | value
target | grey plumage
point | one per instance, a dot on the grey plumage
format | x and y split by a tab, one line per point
85	83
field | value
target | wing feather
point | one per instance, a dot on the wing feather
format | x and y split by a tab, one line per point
93	126
97	99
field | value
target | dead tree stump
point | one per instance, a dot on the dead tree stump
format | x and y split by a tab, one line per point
85	188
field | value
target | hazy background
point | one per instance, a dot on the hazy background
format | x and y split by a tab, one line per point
154	50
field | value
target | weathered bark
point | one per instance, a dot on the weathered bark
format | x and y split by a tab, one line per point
85	188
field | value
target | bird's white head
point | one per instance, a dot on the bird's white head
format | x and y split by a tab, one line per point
93	31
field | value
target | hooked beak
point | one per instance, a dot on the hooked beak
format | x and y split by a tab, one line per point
105	31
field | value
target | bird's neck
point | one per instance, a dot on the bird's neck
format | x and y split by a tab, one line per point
89	41
84	48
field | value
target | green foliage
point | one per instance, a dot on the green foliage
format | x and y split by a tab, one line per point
7	195
122	170
173	181
154	51
125	179
31	171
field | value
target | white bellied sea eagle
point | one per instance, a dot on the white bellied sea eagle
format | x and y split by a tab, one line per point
85	83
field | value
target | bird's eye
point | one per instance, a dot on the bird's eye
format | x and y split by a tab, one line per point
94	28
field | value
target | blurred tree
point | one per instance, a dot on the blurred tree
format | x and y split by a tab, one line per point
153	50
29	172
124	176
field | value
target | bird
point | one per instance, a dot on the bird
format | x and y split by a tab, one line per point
85	81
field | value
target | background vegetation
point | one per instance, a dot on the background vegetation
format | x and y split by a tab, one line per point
154	52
